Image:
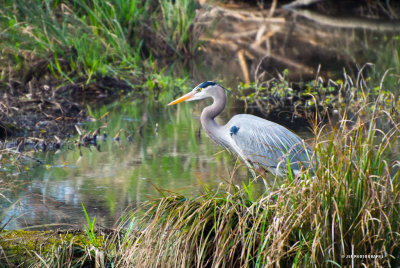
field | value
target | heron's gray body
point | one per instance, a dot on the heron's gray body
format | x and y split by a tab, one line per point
262	143
259	142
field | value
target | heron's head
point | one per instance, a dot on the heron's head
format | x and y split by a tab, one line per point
201	91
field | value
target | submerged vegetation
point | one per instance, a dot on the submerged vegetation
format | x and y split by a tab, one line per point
347	213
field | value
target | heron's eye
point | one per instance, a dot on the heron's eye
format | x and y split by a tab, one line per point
199	89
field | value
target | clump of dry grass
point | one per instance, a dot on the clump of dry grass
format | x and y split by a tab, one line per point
347	214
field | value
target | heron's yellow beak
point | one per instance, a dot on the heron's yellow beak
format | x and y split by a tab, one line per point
183	98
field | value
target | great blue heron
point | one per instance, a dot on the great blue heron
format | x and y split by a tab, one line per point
262	144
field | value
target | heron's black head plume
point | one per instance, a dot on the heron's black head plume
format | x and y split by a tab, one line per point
206	84
211	83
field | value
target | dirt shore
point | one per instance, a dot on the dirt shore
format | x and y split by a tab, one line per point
46	111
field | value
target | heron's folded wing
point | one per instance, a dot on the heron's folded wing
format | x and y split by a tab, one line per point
268	144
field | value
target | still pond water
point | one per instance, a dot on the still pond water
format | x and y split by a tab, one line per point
172	153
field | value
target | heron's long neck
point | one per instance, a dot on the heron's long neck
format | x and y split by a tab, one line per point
209	113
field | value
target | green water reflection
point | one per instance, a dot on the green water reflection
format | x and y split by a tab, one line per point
119	174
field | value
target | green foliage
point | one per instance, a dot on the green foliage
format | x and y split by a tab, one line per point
87	41
177	19
90	227
71	39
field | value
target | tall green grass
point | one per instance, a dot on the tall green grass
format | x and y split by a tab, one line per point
177	19
72	39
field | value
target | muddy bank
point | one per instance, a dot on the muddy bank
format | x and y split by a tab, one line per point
46	111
